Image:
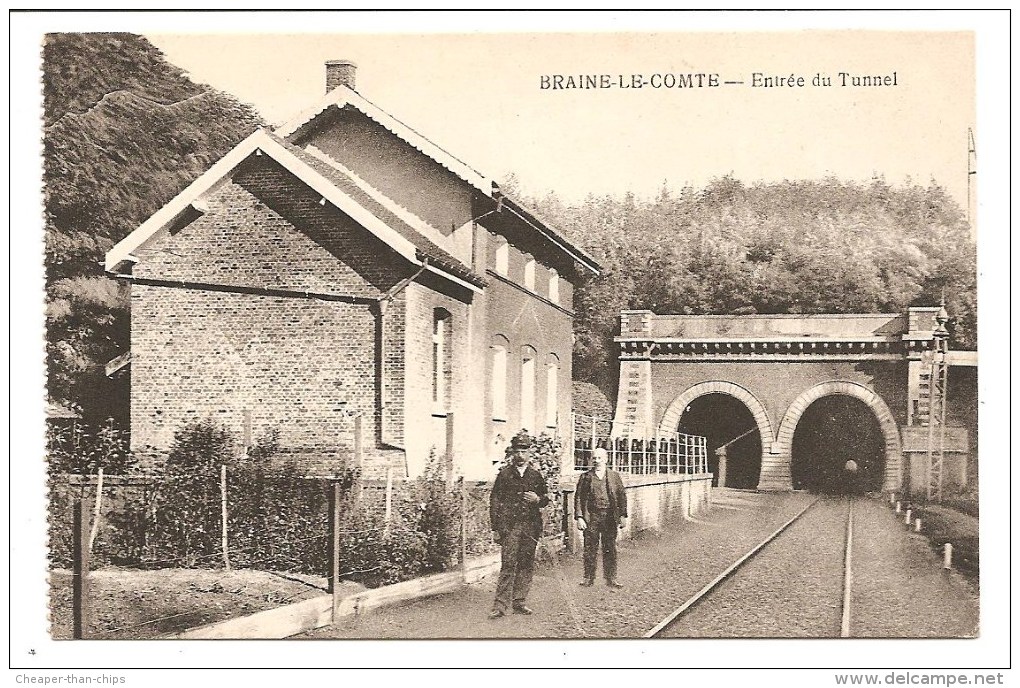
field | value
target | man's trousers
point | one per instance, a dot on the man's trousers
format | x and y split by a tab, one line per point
517	567
601	530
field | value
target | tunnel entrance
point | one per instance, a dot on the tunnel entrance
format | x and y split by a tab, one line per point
721	418
833	430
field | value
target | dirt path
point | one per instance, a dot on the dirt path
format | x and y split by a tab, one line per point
900	588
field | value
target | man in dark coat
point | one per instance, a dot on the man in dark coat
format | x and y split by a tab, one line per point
600	507
515	505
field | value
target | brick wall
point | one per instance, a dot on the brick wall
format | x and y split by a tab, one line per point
425	419
777	385
300	364
404	174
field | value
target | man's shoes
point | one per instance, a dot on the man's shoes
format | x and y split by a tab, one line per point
496	614
521	609
587	582
614	584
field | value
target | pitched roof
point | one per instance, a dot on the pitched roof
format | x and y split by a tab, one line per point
339	190
342	96
376	203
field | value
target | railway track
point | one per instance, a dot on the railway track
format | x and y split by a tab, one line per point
790	535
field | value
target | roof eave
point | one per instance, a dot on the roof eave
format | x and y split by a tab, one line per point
261	141
543	228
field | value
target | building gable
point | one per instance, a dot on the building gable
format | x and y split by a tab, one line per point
265	229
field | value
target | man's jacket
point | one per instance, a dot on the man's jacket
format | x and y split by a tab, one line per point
614	488
507	506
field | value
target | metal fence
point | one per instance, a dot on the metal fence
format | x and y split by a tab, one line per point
637	450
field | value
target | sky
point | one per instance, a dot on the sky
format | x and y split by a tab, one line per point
481	97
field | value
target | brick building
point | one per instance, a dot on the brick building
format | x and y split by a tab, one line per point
345	267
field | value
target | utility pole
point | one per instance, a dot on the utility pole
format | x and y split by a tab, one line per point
937	392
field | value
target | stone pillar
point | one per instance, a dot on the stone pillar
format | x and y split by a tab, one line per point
634	396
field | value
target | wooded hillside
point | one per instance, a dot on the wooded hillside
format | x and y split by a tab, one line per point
825	246
124	132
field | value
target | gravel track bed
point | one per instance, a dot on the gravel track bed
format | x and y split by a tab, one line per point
659	570
793	588
900	589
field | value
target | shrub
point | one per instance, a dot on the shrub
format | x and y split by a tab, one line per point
369	555
435	512
84	449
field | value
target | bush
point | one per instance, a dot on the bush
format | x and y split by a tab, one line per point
84	449
369	555
434	511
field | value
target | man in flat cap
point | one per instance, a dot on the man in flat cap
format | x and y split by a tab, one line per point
518	496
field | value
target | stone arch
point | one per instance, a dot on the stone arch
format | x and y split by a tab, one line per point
671	418
886	421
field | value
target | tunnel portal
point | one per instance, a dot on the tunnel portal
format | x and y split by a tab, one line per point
721	418
832	431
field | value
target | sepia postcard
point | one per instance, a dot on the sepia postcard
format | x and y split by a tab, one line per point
369	329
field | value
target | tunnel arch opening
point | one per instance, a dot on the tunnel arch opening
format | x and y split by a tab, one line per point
838	447
726	421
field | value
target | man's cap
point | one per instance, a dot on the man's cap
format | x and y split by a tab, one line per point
521	440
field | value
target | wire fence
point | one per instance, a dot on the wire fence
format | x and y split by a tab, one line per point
369	532
637	450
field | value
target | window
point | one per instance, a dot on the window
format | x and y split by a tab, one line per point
440	356
554	286
503	257
528	389
552	373
529	275
498	387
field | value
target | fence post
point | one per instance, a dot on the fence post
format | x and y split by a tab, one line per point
389	502
449	449
223	515
463	529
97	512
334	567
358	445
80	598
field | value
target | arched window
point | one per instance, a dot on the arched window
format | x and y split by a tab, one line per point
440	359
528	389
552	376
499	348
502	257
554	286
529	274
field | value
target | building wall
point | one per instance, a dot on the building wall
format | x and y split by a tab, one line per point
301	364
404	174
426	420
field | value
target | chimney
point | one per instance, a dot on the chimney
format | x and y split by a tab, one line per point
340	73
